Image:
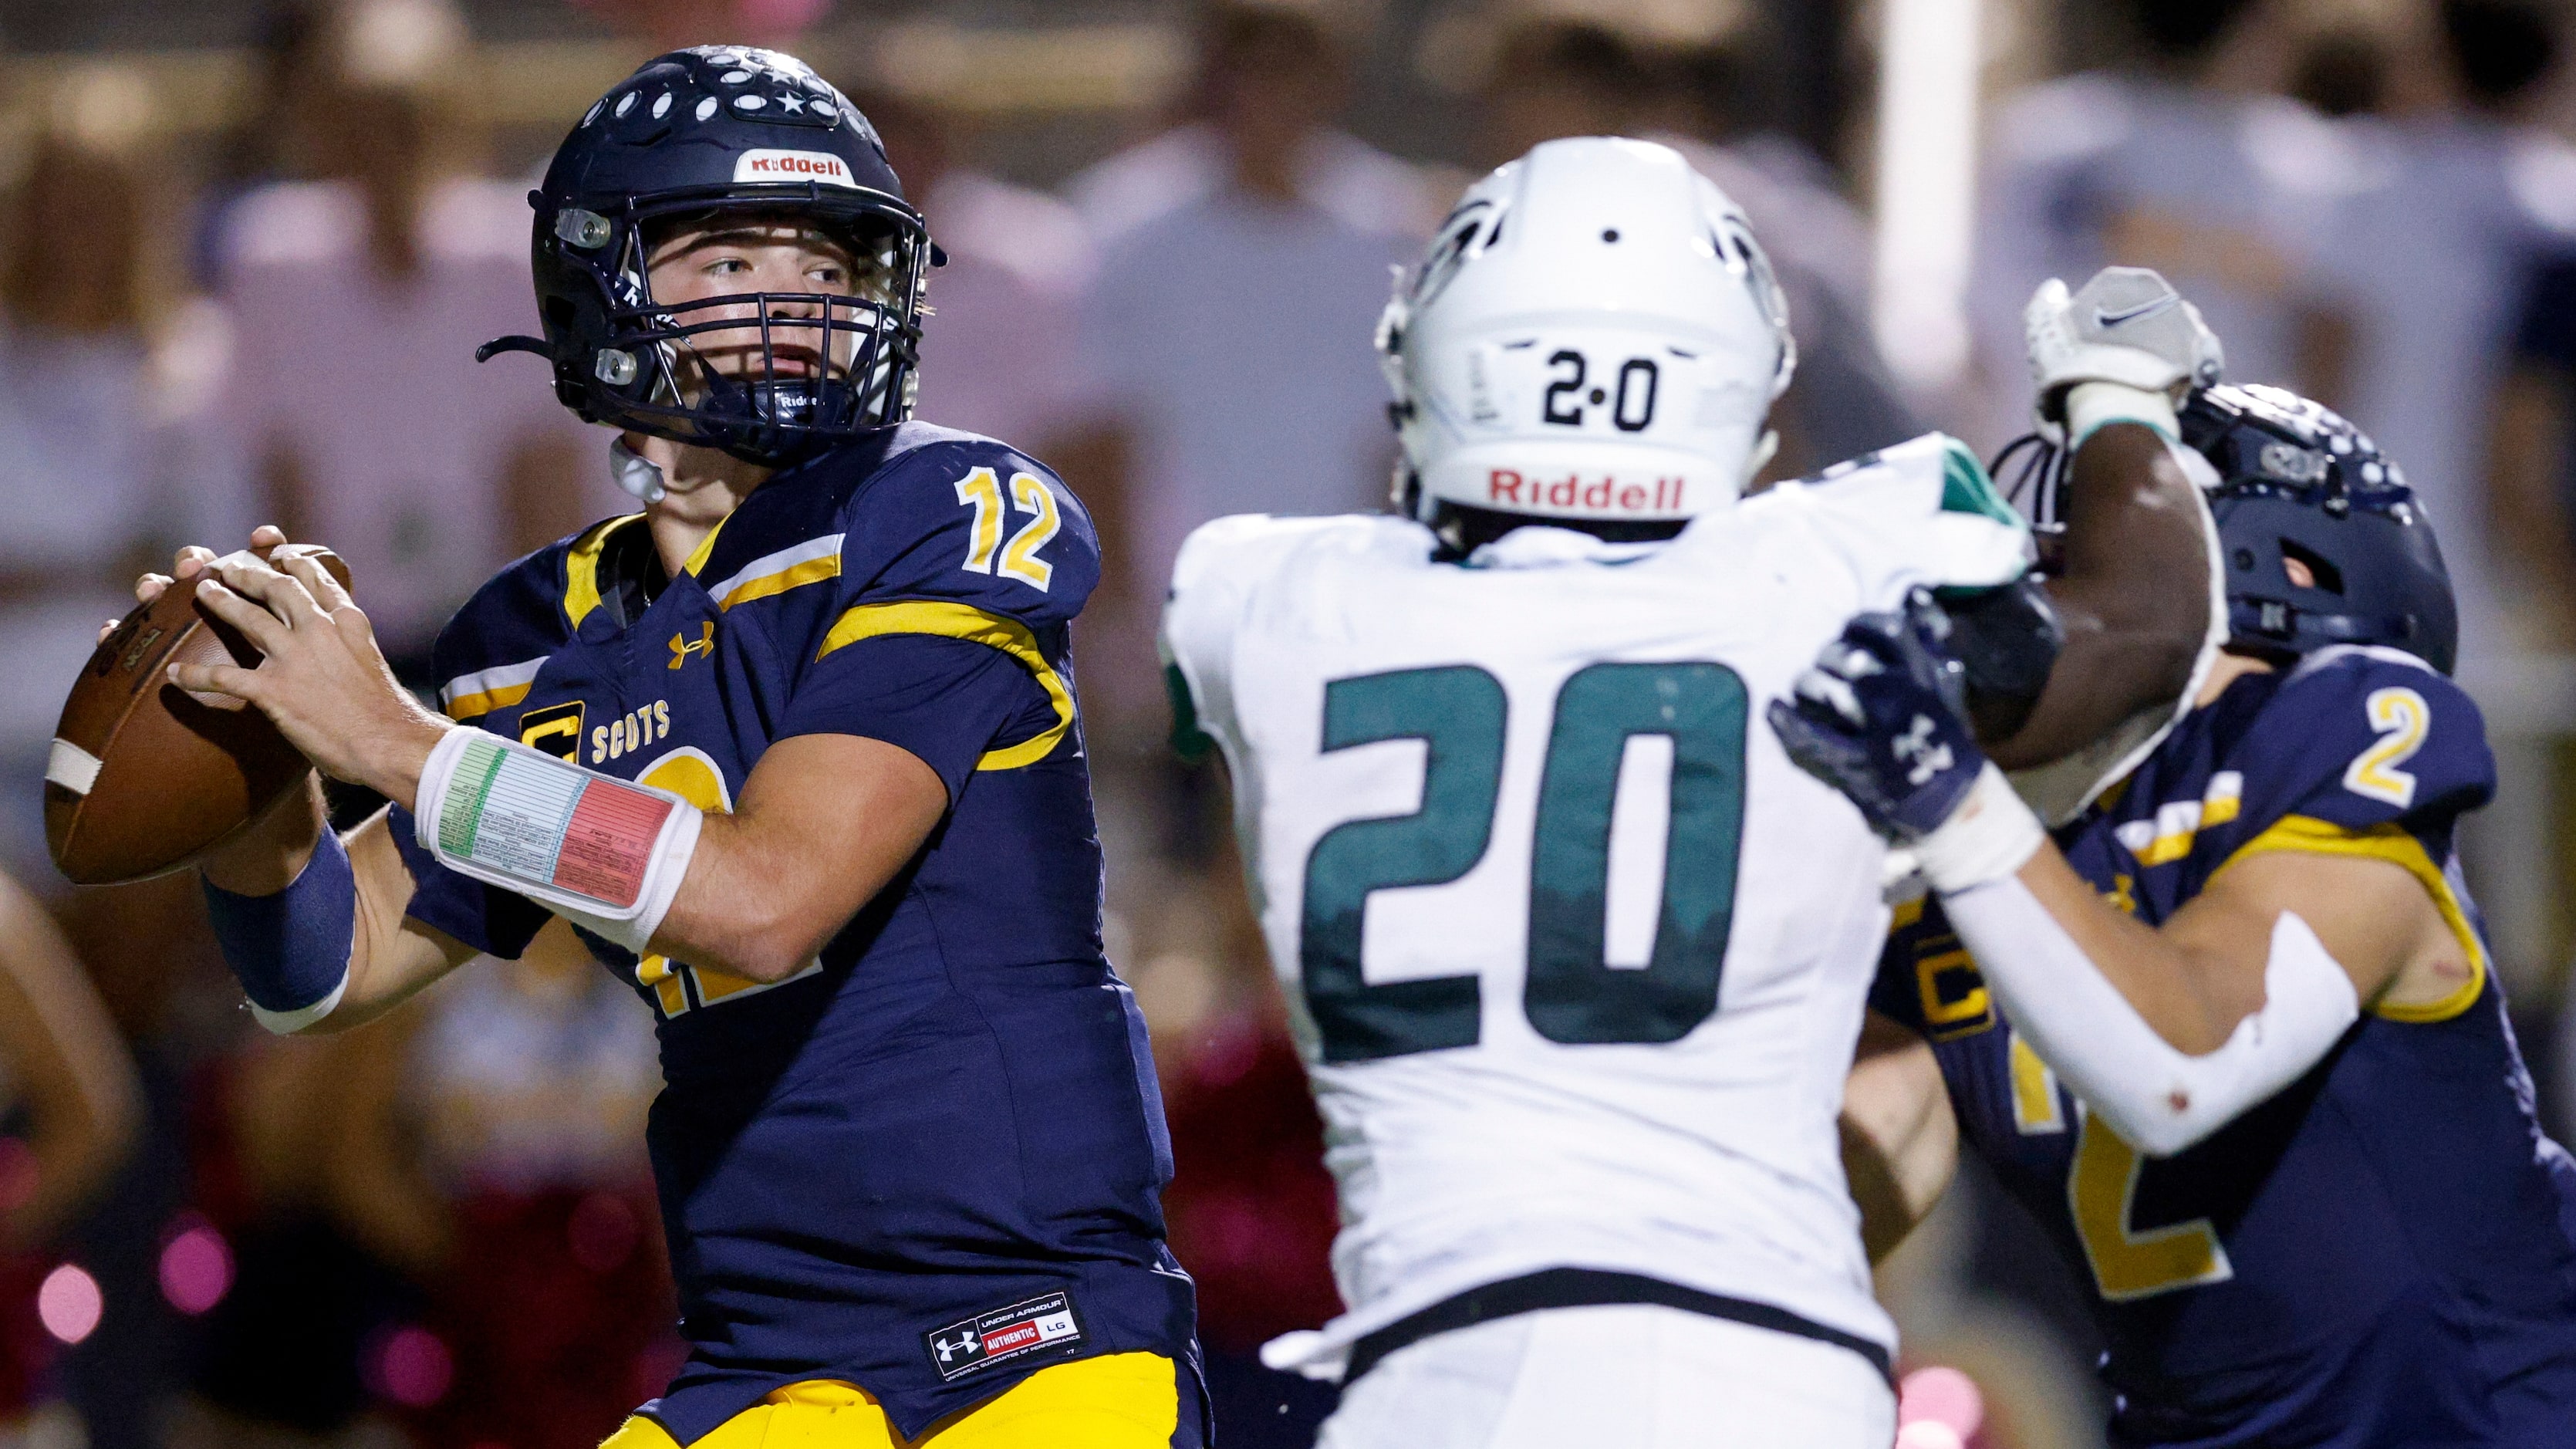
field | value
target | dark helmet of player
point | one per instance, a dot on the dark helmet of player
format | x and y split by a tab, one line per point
691	137
2324	542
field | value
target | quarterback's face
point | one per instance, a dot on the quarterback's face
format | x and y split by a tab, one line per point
797	265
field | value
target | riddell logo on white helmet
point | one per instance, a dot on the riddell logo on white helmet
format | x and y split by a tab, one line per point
1604	495
819	166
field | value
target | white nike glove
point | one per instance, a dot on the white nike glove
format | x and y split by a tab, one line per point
2127	328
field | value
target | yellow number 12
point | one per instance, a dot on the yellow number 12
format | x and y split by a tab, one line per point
981	490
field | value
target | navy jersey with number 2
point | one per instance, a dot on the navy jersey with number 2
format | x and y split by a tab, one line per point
929	1163
2380	1255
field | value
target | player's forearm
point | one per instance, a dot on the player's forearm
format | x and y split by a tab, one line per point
759	903
391	957
2162	978
2121	1011
825	823
740	911
83	1102
282	903
2132	595
328	947
1897	1184
1900	1137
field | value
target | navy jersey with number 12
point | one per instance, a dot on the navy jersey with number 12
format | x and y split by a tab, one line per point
2380	1255
929	1163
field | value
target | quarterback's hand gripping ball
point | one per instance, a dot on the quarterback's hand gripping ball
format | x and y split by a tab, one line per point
1882	717
144	776
2126	326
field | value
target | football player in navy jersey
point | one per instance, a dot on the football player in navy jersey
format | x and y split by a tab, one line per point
2233	1037
796	749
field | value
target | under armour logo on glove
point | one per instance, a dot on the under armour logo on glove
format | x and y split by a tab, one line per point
1882	717
1928	756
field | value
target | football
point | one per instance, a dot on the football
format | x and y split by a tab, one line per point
145	776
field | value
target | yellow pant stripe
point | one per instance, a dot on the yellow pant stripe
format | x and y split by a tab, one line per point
1116	1401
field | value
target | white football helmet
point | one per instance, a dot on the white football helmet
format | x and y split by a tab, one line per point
1595	338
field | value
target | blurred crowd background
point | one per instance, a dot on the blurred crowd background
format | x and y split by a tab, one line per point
247	249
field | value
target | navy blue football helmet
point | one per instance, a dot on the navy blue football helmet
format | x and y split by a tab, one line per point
2303	486
694	134
2298	485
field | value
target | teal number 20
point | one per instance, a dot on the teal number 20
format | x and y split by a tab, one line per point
1573	995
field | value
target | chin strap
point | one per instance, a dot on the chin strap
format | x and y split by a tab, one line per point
633	473
1763	452
513	343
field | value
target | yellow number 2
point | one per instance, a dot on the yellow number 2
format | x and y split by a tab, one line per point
1020	561
981	490
2400	717
2102	1190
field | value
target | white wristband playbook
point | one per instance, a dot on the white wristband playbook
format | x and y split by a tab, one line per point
604	853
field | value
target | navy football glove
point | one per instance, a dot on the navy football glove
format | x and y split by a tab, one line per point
1882	717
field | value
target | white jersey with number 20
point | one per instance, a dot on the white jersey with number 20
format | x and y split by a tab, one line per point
1576	956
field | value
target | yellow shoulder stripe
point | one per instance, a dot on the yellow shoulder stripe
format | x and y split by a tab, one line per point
810	562
2169	835
963	621
2390	842
581	568
468	696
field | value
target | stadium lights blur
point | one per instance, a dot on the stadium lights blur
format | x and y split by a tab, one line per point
1927	176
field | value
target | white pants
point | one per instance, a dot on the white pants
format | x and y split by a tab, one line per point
1630	1376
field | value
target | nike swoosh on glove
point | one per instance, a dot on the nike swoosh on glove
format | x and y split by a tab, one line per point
2126	326
1882	717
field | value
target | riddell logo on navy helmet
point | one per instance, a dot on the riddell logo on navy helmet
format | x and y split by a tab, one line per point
793	166
1005	1333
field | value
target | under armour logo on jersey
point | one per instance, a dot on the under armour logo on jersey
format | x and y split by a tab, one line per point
1049	1323
1916	746
682	647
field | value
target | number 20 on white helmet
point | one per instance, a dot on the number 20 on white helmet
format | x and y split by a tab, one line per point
1594	338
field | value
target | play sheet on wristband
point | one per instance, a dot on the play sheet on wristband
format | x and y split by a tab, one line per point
547	823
